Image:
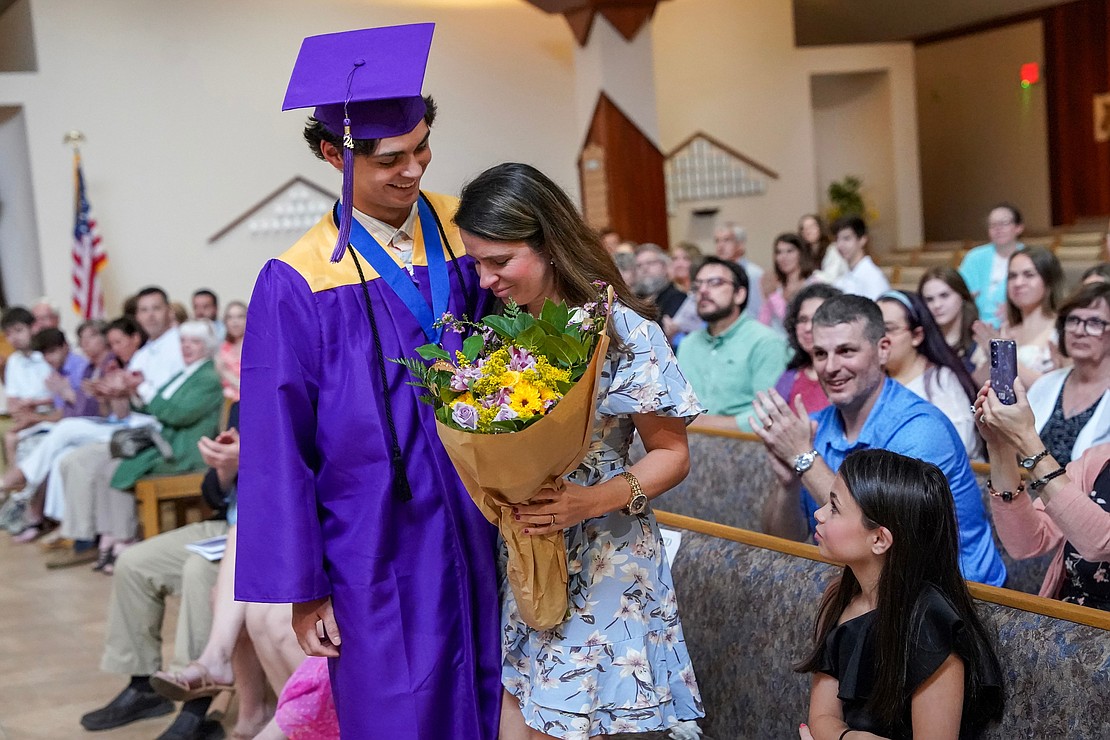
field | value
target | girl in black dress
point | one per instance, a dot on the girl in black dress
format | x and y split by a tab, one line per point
899	650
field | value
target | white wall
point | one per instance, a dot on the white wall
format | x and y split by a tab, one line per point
731	69
181	105
983	138
19	243
852	131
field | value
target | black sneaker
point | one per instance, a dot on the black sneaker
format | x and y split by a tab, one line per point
191	727
130	705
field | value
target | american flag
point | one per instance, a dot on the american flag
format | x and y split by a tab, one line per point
88	254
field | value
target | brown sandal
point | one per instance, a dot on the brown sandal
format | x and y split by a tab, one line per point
176	687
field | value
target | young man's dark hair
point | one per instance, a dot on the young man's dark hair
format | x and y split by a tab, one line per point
855	223
16	315
209	293
740	277
48	339
152	290
736	270
848	309
315	132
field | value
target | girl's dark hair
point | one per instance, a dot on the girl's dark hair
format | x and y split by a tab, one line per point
805	256
1085	296
969	312
1101	270
823	241
823	291
1048	267
517	203
933	347
911	498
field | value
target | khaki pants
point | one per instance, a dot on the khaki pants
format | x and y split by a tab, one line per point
145	575
85	471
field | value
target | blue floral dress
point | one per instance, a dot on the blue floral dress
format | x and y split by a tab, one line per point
619	663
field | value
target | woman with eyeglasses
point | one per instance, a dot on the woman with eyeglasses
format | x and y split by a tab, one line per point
1072	405
921	360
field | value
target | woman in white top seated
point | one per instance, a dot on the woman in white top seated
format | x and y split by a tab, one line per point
1072	405
921	360
1034	290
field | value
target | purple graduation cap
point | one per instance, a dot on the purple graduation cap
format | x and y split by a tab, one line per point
364	85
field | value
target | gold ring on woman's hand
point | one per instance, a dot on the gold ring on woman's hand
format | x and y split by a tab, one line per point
552	522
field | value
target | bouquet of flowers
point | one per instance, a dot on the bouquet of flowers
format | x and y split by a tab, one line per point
514	410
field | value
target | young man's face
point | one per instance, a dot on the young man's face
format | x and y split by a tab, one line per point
19	336
153	314
850	246
849	366
204	307
387	182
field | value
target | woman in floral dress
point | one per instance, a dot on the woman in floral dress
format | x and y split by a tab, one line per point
618	663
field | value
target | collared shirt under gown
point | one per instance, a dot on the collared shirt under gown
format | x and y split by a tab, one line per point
413	583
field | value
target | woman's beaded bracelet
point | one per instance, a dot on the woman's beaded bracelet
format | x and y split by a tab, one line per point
1006	496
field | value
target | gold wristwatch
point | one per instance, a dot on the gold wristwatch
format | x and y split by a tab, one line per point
638	502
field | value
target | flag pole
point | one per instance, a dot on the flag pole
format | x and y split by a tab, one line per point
74	139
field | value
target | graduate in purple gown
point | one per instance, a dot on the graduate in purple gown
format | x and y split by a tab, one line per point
348	506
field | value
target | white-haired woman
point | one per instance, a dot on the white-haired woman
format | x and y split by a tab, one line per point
187	407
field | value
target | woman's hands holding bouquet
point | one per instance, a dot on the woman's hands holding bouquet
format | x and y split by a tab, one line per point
561	504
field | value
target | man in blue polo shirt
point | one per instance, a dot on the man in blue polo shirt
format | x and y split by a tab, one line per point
868	411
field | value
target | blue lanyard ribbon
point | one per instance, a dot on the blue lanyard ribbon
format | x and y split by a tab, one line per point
399	280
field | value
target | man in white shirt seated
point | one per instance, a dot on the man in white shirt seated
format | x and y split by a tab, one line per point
863	277
25	375
160	358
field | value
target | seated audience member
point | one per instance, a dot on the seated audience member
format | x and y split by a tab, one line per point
230	357
731	243
800	378
610	240
92	338
160	357
95	486
207	306
1072	405
685	259
923	362
46	315
984	268
179	313
794	267
68	369
863	277
949	301
900	650
1071	513
25	374
144	576
1099	273
626	264
734	356
124	337
813	231
1034	287
653	280
868	411
187	408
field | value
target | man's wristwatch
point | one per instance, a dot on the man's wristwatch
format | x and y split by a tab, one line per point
638	502
804	461
1028	463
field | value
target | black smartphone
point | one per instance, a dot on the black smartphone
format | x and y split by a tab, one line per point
1004	369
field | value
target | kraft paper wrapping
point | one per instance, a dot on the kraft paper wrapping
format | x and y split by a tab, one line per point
500	470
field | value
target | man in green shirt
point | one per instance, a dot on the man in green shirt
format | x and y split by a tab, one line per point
735	356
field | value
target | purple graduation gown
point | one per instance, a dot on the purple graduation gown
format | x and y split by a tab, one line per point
413	583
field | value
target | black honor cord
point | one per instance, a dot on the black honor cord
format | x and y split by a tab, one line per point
401	488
